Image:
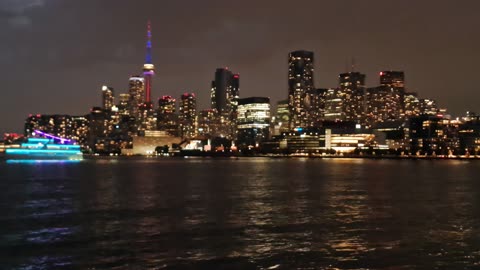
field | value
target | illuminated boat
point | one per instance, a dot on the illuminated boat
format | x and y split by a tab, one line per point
50	148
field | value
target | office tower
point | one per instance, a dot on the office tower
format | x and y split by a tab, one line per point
107	98
123	104
300	82
136	91
253	121
187	115
166	115
224	96
352	88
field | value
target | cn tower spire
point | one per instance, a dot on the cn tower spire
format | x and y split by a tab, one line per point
148	67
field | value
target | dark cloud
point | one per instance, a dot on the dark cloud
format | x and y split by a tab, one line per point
55	55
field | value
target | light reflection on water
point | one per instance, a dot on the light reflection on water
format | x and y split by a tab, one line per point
240	213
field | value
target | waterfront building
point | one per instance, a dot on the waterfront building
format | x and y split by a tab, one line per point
281	118
432	135
300	82
338	140
188	115
150	141
253	121
469	135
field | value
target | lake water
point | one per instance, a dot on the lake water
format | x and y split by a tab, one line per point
247	213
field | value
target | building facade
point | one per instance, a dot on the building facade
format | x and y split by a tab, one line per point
300	82
253	121
188	115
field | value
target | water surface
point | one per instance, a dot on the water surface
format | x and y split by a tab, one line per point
247	213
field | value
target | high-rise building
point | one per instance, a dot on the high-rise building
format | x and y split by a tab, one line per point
253	121
188	115
166	115
300	82
334	108
207	123
136	91
107	98
386	102
224	99
316	106
352	88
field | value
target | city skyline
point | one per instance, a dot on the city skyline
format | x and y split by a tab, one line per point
433	67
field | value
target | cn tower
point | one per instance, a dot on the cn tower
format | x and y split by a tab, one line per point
148	68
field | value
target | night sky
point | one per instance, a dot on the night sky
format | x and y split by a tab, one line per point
56	54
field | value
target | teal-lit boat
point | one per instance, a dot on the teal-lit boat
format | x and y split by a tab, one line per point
44	149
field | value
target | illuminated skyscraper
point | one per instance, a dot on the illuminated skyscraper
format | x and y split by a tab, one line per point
253	121
107	98
136	91
188	115
315	101
386	102
207	123
352	88
300	82
224	99
334	108
166	117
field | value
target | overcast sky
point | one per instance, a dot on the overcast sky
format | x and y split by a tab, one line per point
56	54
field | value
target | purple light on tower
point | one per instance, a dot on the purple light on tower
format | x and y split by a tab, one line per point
148	67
